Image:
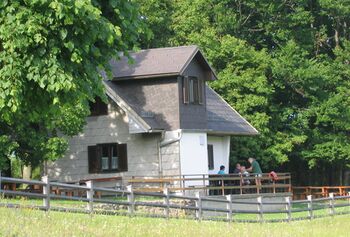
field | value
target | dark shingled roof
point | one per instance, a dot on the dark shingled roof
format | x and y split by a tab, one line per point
156	62
223	119
162	62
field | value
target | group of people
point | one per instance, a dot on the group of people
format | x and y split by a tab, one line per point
240	169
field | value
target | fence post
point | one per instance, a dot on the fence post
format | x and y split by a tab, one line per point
309	207
199	206
222	186
331	204
288	209
131	200
260	209
349	199
90	195
46	192
166	202
229	208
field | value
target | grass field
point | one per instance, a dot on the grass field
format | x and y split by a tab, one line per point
82	205
25	222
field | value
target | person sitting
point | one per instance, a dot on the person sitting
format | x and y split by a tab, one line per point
245	173
237	169
222	170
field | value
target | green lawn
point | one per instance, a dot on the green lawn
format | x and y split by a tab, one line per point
25	222
159	211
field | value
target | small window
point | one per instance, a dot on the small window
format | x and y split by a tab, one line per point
185	90
193	90
107	158
98	107
210	157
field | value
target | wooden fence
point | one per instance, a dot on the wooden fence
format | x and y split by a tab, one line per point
319	191
214	184
194	204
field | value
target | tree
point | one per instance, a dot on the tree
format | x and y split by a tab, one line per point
284	65
51	55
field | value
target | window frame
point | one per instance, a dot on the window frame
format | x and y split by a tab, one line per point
95	158
110	154
211	164
193	90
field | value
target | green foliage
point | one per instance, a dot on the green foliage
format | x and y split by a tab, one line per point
49	55
284	65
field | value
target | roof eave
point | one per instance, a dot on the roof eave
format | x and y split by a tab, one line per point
216	132
146	76
232	133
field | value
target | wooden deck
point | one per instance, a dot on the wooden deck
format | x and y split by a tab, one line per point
214	184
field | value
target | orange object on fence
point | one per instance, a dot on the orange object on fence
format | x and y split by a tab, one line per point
273	176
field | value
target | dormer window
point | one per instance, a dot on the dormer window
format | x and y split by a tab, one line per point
193	90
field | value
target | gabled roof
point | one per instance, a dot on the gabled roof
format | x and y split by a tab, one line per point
157	62
223	119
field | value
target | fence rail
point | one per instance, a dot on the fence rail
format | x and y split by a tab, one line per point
214	184
319	191
194	204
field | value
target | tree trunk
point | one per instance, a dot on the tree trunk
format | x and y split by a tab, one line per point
336	34
340	175
27	172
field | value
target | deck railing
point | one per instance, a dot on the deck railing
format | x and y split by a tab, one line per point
214	184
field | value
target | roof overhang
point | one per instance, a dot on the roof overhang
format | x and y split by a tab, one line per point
141	125
219	133
196	53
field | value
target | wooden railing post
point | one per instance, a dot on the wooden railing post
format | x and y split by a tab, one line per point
131	200
229	208
204	186
260	209
183	184
309	207
46	192
331	204
166	202
241	183
349	199
90	196
288	209
198	206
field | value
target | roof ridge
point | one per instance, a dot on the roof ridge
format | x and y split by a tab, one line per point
167	48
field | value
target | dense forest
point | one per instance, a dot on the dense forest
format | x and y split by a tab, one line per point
283	64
